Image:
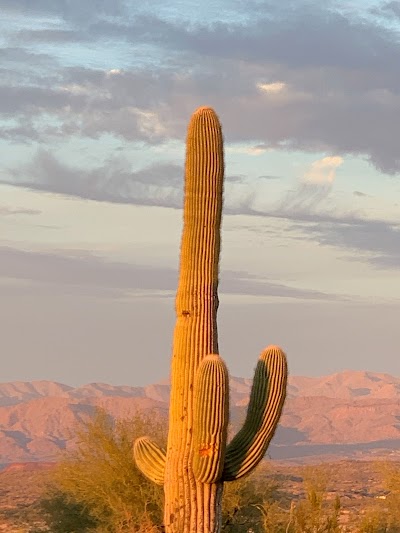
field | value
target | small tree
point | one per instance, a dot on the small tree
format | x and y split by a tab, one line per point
250	503
391	473
383	516
239	506
313	514
100	482
65	515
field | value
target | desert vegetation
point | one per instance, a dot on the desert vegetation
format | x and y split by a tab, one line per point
97	488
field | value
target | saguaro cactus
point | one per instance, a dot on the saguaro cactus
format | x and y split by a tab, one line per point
198	460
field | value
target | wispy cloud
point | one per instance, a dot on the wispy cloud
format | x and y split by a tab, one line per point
77	269
115	181
370	240
387	9
269	177
313	188
11	211
74	10
376	242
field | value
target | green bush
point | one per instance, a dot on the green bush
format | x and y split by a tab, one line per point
97	486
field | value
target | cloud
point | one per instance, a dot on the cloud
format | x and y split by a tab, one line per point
36	100
314	187
243	283
238	178
85	102
374	241
79	269
272	88
52	36
323	171
157	184
73	10
369	240
335	72
17	55
388	9
10	211
269	177
82	269
304	199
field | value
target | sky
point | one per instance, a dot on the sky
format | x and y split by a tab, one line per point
95	98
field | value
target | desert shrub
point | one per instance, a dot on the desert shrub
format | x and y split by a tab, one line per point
383	516
249	503
97	486
314	513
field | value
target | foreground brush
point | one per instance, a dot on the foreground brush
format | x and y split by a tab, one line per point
198	459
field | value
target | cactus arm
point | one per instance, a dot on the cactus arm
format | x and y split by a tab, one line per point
267	397
150	459
211	415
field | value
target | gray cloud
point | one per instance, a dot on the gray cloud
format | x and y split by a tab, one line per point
55	36
82	269
23	133
242	283
85	102
8	211
154	107
388	9
305	198
374	241
377	239
18	54
306	35
269	177
36	100
235	178
26	73
71	10
157	184
300	35
78	269
307	49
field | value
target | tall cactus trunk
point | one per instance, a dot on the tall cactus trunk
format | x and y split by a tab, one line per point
191	506
198	460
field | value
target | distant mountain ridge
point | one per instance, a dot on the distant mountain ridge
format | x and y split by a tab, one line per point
348	413
348	384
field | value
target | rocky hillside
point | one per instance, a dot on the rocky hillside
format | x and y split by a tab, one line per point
349	414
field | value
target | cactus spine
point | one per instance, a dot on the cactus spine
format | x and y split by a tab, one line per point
198	460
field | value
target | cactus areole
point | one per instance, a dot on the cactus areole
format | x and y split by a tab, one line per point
198	459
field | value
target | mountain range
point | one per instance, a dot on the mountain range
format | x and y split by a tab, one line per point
348	415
